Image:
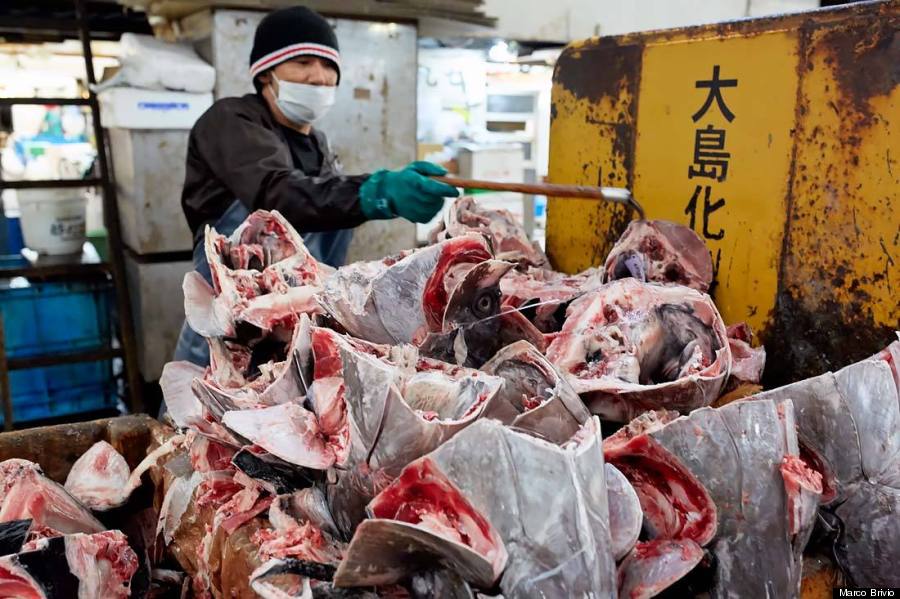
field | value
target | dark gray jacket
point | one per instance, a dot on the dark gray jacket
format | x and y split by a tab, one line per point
236	150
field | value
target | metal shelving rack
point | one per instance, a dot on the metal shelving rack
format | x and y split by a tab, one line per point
76	268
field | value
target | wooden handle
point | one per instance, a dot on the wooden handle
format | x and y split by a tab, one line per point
549	189
610	194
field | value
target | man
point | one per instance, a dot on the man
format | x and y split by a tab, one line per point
260	151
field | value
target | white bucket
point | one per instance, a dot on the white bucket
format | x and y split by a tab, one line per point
53	220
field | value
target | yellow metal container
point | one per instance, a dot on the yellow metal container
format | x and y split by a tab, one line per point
772	139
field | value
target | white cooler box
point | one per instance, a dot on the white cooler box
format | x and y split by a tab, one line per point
133	108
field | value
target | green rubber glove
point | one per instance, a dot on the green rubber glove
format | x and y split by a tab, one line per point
408	193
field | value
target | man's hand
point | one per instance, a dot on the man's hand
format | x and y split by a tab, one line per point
408	192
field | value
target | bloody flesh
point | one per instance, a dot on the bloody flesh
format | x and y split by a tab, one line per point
425	496
798	477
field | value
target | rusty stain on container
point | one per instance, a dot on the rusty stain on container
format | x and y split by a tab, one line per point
835	276
616	117
831	278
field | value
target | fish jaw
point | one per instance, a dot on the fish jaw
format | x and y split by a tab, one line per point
419	518
675	503
287	431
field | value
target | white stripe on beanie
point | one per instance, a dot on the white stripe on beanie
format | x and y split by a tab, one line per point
288	52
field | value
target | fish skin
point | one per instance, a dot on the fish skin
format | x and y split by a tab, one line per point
277	475
397	295
45	571
439	583
736	451
292	578
13	535
308	505
850	420
515	480
625	516
347	297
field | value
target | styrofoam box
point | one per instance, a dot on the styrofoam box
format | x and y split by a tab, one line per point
156	299
149	169
133	108
495	162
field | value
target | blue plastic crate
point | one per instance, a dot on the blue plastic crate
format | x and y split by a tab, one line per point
62	390
12	240
49	318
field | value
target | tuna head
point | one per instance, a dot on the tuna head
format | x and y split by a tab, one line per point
262	276
508	237
396	416
515	480
403	298
848	422
663	252
746	457
542	296
472	324
250	376
629	347
535	397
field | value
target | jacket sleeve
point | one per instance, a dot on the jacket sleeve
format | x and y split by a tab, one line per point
254	163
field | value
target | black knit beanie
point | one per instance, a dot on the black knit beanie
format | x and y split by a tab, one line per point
290	32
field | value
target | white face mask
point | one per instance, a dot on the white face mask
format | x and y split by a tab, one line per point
302	103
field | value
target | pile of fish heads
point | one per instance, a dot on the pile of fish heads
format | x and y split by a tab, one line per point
431	426
54	540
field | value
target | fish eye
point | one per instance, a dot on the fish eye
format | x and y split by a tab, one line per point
484	304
